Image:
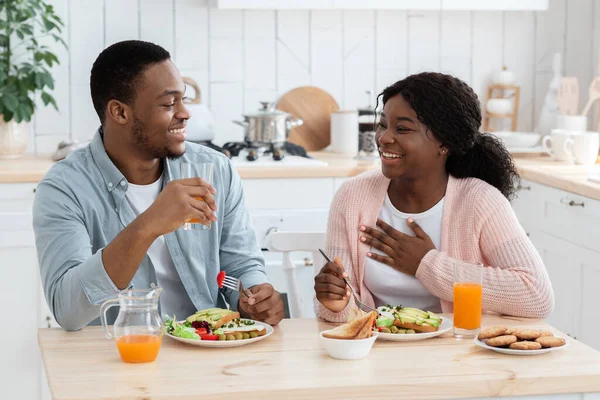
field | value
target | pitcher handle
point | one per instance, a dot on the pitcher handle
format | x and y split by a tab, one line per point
546	142
105	306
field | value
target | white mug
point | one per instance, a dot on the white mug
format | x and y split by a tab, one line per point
572	122
344	132
583	147
555	144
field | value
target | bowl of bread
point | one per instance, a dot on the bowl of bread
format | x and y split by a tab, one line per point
352	340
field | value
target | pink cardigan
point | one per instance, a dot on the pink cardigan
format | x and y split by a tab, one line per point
478	225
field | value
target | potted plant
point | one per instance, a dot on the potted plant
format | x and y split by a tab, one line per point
25	61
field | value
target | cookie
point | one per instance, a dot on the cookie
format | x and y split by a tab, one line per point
547	333
492	332
528	334
550	341
525	346
510	331
500	341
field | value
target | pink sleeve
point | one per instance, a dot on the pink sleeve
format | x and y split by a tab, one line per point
515	282
337	246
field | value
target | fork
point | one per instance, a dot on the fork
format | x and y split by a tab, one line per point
234	284
361	305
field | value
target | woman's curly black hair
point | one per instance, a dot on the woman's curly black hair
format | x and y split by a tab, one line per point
450	109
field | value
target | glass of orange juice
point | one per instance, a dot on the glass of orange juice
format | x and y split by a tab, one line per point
201	170
467	299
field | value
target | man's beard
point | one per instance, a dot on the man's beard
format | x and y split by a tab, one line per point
142	141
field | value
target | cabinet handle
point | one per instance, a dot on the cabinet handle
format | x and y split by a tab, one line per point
572	203
34	190
48	319
519	187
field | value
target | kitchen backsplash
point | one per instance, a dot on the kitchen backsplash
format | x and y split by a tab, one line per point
240	58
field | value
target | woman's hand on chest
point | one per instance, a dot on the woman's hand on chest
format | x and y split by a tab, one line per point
402	252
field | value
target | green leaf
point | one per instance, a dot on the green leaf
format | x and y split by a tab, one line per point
20	34
8	115
18	117
38	56
11	103
49	25
48	99
27	111
47	79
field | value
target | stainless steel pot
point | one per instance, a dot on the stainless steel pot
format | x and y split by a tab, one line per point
268	125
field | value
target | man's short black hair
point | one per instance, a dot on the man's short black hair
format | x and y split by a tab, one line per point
117	71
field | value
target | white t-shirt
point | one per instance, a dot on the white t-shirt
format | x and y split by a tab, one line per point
390	286
174	299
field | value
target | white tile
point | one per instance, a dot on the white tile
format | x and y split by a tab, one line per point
200	76
326	52
253	98
259	24
455	46
488	45
87	38
121	22
424	41
156	23
359	59
391	47
260	70
519	46
48	120
191	34
549	34
225	24
226	60
85	121
579	58
392	40
293	55
48	144
227	105
288	82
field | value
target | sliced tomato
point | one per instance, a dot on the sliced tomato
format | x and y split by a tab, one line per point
201	331
207	336
220	278
380	328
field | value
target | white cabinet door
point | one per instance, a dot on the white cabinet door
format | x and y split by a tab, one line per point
564	268
589	323
20	369
526	205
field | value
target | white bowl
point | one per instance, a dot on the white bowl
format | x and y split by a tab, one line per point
348	349
518	139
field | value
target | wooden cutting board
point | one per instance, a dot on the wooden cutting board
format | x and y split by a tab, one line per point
314	106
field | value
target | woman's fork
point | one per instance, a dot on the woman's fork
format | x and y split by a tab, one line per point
234	284
361	305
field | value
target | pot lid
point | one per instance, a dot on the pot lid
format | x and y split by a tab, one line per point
268	110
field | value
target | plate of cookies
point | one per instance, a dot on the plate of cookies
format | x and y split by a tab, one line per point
522	342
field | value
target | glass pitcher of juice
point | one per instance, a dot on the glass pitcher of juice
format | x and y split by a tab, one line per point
467	299
138	329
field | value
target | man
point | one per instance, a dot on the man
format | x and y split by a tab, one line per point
108	217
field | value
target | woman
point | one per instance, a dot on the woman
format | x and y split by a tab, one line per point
442	195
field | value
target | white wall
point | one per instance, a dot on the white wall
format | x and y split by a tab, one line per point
241	57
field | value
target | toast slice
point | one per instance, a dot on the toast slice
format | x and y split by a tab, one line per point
225	319
359	328
415	327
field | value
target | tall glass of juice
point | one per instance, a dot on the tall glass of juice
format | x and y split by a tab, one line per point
467	299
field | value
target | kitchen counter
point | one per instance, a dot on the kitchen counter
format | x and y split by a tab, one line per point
540	169
32	169
293	364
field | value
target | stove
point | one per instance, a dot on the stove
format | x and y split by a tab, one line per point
248	154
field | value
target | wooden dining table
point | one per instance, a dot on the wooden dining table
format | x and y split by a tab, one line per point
292	363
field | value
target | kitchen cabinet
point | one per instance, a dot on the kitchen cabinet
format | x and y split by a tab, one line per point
445	5
22	375
564	228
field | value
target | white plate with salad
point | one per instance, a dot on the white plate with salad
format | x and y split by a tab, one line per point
217	327
407	324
